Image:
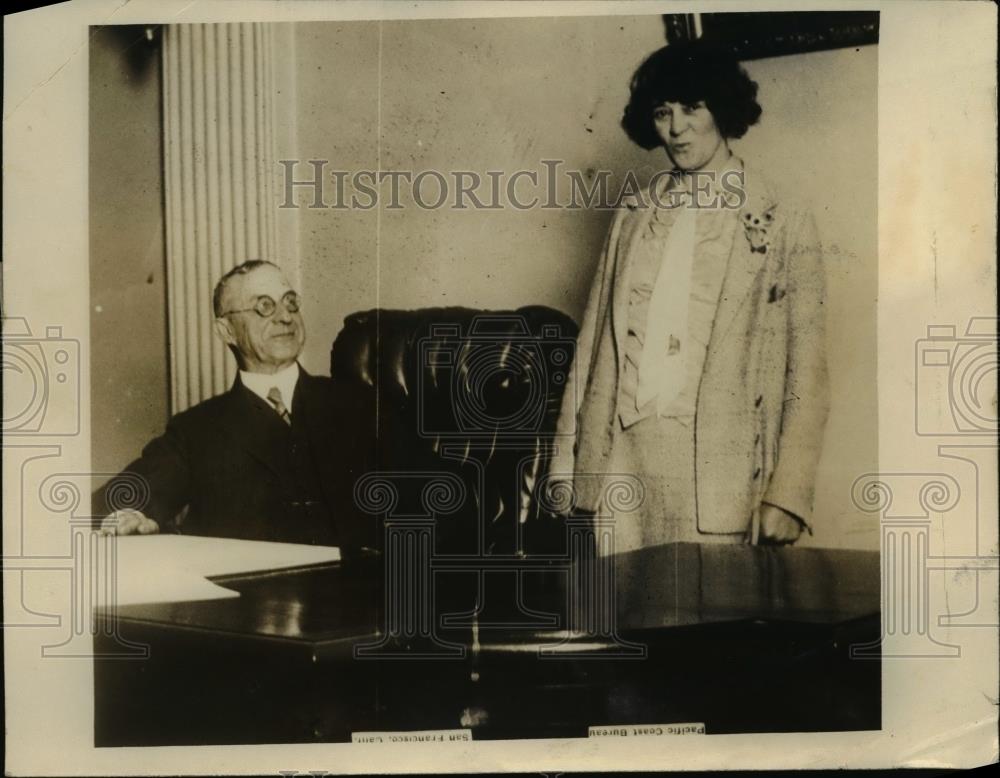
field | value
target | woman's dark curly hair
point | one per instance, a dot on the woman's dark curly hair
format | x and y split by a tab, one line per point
686	72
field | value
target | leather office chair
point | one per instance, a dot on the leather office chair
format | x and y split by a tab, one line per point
467	405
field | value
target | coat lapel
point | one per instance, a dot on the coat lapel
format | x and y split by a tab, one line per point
255	426
745	264
632	229
313	407
341	448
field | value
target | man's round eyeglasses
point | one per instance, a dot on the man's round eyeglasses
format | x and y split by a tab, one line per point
265	306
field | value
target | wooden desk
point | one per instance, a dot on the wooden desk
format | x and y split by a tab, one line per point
742	639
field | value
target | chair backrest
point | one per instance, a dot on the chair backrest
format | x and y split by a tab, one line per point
471	396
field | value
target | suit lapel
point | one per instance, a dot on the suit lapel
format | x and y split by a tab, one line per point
745	264
332	440
311	407
255	427
741	271
632	229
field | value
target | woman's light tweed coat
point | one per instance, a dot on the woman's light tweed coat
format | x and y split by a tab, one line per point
763	397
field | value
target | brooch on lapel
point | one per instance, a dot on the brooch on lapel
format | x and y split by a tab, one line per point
757	226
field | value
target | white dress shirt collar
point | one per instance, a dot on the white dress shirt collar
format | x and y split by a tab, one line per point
260	383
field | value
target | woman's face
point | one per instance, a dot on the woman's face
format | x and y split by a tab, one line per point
689	133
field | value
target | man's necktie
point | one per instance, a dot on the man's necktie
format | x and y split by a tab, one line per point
274	396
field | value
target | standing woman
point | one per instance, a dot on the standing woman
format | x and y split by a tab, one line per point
700	365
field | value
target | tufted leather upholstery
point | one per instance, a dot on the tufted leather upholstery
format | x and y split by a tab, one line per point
473	395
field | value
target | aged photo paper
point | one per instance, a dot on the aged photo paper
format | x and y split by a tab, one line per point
491	386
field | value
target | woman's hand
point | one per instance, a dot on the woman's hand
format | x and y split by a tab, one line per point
129	522
778	527
558	495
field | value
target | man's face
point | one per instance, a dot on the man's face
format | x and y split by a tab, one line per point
266	344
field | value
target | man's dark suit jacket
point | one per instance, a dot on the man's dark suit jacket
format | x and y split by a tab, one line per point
225	463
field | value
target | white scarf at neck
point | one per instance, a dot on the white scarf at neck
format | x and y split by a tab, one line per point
663	365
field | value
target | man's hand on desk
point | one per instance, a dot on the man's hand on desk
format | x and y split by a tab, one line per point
777	526
128	522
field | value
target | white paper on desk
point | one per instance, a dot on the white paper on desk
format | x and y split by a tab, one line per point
175	568
139	585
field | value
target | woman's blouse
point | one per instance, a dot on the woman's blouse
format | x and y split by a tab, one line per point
713	240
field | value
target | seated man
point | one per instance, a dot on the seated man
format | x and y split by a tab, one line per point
274	458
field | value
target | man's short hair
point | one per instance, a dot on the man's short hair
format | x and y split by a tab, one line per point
239	270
